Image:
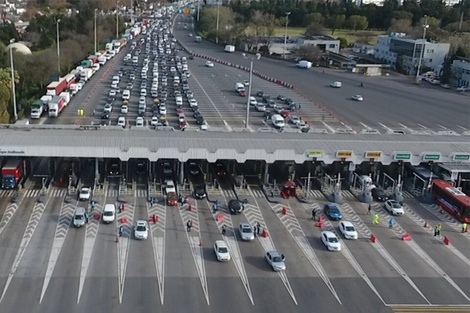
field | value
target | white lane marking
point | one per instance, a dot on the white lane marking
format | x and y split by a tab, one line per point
461	127
209	98
91	232
422	126
158	241
405	127
254	215
443	127
8	215
62	228
124	245
399	232
331	129
33	222
230	238
195	243
386	127
364	125
365	232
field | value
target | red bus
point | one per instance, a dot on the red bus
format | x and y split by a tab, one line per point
451	199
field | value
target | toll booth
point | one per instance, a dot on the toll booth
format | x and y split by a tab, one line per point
288	189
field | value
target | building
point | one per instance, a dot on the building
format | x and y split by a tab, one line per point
403	53
461	72
400	2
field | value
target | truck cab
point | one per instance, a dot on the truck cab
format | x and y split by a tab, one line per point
12	173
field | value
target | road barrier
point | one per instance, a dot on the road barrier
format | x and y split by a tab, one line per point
246	69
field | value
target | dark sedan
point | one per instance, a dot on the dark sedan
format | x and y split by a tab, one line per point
332	212
199	192
379	195
235	206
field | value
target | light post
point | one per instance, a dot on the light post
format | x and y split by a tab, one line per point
250	81
423	46
117	20
198	8
217	26
285	36
95	30
13	92
58	46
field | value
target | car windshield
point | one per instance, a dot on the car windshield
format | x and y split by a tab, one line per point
277	259
141	228
349	228
246	230
84	192
223	250
108	213
396	205
379	192
333	209
78	217
332	239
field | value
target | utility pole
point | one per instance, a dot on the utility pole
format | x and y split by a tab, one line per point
285	36
117	19
217	27
96	49
423	46
13	87
58	47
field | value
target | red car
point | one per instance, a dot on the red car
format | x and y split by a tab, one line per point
285	114
242	93
220	169
171	199
183	125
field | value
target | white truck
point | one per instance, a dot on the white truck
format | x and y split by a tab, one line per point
67	96
109	46
74	89
102	60
229	48
95	67
304	64
37	108
86	74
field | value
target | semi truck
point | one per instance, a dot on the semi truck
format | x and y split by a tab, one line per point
229	48
12	173
56	88
93	59
70	79
67	96
102	60
56	106
109	46
86	74
37	108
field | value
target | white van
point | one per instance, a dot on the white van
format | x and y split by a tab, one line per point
278	121
169	186
109	213
116	79
135	60
239	87
79	219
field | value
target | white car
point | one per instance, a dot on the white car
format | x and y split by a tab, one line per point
357	98
347	229
330	240
141	230
154	121
162	110
209	64
336	84
112	93
246	232
143	92
294	119
121	121
124	109
276	260
108	108
221	251
85	194
394	207
192	103
139	122
301	125
253	101
246	83
142	100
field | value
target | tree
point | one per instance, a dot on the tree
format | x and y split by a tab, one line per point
308	52
343	42
313	18
401	26
336	22
5	95
357	22
314	29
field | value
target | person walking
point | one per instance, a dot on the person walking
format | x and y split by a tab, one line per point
369	209
391	222
86	217
437	230
258	228
464	227
314	215
223	230
375	220
189	224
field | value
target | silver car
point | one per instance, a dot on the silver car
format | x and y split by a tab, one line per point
246	232
276	260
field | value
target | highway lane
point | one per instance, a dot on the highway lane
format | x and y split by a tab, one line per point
388	101
183	290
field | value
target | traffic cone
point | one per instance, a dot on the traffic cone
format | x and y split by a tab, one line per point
425	224
320	221
117	239
200	243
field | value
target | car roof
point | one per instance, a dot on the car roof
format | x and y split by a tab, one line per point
331	205
141	223
245	225
221	243
274	253
328	233
346	223
392	201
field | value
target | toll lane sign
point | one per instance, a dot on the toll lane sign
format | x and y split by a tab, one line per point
402	156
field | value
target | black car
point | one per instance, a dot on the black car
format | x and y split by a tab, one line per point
379	195
260	94
199	192
105	116
281	98
200	120
235	206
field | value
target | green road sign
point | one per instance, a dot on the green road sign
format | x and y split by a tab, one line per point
461	157
402	156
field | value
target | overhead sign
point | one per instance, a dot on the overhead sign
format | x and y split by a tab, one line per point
344	154
402	156
373	154
432	156
314	153
461	157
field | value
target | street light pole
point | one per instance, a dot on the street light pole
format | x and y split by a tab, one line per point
285	36
250	82
58	47
198	8
217	26
13	91
423	46
95	31
117	20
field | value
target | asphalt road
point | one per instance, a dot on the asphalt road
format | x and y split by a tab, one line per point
50	266
391	102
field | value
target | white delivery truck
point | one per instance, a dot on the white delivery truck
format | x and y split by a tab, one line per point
229	48
66	95
304	64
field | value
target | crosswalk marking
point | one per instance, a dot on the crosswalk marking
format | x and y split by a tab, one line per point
231	194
